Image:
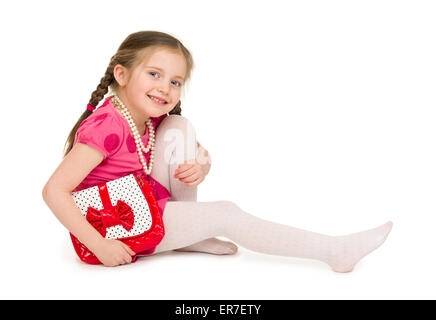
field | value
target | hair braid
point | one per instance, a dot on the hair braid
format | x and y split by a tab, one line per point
105	82
177	109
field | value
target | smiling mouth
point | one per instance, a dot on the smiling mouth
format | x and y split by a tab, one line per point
156	100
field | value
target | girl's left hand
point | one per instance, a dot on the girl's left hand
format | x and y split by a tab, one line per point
192	174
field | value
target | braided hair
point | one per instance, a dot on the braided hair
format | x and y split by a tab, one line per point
129	55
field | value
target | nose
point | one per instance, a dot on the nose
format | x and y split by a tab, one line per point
164	88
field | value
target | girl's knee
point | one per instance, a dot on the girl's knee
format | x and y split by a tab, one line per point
227	206
177	126
227	213
177	139
227	210
177	121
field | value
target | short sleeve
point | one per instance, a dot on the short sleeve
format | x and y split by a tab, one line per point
102	132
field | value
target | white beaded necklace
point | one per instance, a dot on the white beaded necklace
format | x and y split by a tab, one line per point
138	141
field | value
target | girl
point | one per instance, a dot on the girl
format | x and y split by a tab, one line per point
145	77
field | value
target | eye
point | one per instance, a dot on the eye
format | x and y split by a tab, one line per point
152	73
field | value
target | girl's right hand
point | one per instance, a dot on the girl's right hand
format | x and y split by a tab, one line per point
112	252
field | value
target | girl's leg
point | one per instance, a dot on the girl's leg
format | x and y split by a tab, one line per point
175	143
187	222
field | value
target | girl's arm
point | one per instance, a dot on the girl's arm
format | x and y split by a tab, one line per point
57	195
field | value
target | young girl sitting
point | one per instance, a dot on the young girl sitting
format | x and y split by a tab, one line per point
145	77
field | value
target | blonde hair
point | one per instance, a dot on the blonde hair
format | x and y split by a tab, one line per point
129	54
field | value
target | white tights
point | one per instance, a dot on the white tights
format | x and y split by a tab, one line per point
189	223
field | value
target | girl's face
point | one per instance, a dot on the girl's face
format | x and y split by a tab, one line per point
161	75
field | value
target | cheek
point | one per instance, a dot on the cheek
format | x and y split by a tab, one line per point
175	101
175	96
142	84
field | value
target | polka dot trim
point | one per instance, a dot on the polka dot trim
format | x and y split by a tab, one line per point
126	189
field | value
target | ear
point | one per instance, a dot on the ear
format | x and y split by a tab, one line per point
121	75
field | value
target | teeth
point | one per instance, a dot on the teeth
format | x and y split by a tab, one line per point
156	99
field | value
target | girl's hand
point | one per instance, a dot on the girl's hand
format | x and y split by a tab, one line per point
189	173
192	173
112	252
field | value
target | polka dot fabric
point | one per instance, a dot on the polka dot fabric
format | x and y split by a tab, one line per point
88	198
126	189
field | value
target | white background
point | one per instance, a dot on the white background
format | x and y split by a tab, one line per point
317	114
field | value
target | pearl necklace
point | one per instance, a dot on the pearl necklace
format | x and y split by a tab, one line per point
138	141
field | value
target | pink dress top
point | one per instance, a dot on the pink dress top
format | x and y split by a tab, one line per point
108	132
